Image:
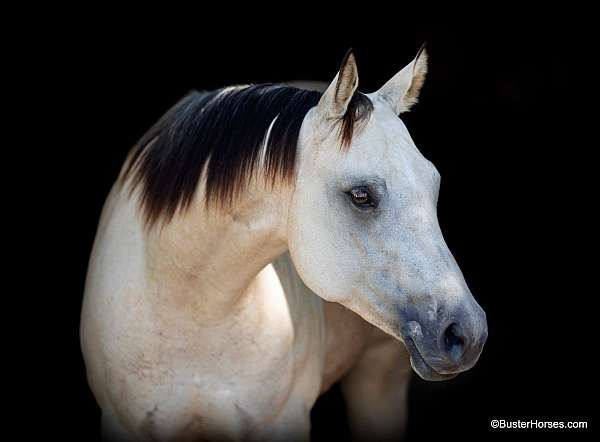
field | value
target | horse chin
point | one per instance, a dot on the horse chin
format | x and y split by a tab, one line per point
421	367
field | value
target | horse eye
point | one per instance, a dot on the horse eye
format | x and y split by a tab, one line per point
361	198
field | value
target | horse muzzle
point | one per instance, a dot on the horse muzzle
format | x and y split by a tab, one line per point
441	348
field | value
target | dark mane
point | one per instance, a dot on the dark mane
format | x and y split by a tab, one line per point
220	135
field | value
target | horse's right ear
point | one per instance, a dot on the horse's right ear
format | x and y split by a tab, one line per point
402	90
335	99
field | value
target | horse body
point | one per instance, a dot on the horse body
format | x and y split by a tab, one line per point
228	322
184	369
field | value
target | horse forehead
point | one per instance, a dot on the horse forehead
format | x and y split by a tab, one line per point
387	128
389	144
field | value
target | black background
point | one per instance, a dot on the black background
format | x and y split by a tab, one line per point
495	116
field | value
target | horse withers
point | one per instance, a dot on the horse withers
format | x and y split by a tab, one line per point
261	243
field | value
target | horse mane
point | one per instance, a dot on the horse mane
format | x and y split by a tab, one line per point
220	135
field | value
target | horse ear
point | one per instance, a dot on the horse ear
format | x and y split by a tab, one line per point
402	90
335	99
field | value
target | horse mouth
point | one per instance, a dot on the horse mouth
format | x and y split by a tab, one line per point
421	367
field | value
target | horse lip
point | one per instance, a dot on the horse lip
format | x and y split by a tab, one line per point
423	369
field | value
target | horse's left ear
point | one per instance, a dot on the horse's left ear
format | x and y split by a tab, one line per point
337	96
402	90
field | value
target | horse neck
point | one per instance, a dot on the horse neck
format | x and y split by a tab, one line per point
207	261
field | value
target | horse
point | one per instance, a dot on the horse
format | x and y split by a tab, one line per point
261	243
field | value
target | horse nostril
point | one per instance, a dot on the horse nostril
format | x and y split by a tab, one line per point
454	341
